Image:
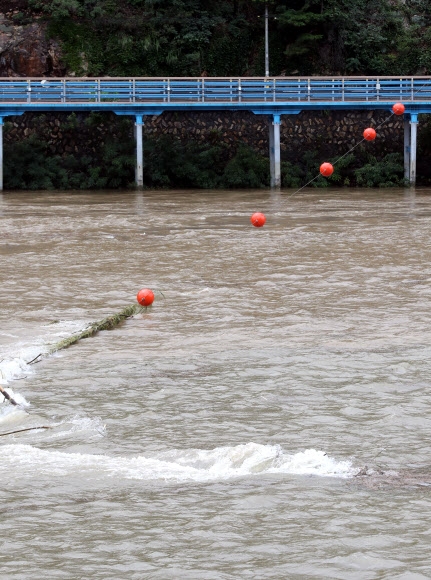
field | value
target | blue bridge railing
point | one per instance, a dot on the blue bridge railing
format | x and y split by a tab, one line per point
210	90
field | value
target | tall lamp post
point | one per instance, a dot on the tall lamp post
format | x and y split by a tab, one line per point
266	41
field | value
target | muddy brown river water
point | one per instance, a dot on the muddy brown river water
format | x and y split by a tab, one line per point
269	417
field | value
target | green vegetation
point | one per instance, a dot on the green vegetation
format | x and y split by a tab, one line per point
31	164
187	37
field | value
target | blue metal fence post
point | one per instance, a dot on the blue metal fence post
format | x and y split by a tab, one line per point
406	147
139	172
413	141
274	151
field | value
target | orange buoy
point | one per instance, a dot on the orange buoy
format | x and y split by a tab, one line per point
258	219
398	108
369	134
326	169
145	297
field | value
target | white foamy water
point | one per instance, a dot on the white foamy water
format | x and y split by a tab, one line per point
16	367
11	414
16	354
194	465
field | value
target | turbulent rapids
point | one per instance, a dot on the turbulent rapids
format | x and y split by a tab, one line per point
193	465
222	463
178	465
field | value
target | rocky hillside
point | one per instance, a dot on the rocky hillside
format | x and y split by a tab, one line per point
25	49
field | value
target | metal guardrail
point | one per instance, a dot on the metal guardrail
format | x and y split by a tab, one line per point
214	90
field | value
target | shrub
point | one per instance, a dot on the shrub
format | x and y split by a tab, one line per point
29	166
385	173
246	169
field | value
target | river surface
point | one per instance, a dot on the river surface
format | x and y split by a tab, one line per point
268	417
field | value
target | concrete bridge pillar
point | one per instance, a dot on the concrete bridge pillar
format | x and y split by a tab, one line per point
139	170
274	151
410	147
413	147
406	148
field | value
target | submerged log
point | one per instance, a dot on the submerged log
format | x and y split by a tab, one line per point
8	397
26	429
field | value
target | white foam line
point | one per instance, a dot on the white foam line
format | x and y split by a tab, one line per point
222	463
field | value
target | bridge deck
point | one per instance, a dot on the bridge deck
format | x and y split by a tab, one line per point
153	95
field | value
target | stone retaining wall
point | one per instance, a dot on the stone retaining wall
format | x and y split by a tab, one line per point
329	133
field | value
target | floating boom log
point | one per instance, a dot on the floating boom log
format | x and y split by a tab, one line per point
107	323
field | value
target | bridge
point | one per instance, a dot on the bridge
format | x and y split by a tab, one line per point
271	96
